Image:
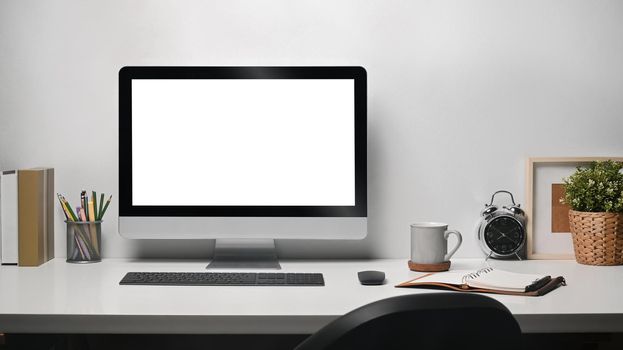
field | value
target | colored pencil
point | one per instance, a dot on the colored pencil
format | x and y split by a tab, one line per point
105	207
91	210
63	207
94	199
101	206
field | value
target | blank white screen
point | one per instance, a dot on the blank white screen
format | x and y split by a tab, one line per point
255	142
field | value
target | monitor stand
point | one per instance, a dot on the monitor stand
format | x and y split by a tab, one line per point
244	254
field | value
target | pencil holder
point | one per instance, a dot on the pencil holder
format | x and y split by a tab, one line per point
84	241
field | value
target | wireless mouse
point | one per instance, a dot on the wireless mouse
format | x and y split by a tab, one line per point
371	278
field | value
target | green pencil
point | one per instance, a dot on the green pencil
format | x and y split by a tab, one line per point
105	207
101	206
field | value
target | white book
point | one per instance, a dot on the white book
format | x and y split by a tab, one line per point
8	215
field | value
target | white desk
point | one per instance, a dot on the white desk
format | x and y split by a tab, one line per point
66	298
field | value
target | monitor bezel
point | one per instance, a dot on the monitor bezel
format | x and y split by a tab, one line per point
126	74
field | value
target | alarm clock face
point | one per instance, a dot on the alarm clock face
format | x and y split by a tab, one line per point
504	235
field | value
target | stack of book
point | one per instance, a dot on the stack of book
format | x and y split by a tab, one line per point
27	216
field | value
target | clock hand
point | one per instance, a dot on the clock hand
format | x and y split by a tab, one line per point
503	235
515	242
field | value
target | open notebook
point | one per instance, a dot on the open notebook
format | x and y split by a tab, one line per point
487	280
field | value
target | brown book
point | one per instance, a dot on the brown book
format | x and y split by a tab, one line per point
49	215
35	205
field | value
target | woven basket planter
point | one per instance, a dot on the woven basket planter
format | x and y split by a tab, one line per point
597	237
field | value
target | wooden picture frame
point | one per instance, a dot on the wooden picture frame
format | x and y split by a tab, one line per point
535	234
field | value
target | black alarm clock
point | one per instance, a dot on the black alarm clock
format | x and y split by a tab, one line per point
502	231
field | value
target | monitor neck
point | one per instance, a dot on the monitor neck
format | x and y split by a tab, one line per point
244	254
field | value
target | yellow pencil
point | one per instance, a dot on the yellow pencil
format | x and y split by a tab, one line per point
69	217
91	210
92	227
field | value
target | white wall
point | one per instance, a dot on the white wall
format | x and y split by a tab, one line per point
460	93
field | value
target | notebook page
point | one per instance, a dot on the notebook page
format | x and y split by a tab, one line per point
449	277
503	280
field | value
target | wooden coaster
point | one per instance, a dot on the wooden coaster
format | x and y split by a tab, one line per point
444	266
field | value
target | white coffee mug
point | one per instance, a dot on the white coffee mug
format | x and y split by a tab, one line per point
429	242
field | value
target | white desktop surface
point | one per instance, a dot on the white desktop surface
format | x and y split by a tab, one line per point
58	297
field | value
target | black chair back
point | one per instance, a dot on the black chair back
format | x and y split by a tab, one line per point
422	321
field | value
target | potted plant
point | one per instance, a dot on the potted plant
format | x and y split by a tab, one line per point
595	195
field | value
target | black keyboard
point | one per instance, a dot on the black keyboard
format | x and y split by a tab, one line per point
222	279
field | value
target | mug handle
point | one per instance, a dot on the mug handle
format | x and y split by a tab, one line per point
458	243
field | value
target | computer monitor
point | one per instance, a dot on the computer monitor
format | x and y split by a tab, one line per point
242	155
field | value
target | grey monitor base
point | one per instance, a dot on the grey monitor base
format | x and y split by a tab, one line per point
244	254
